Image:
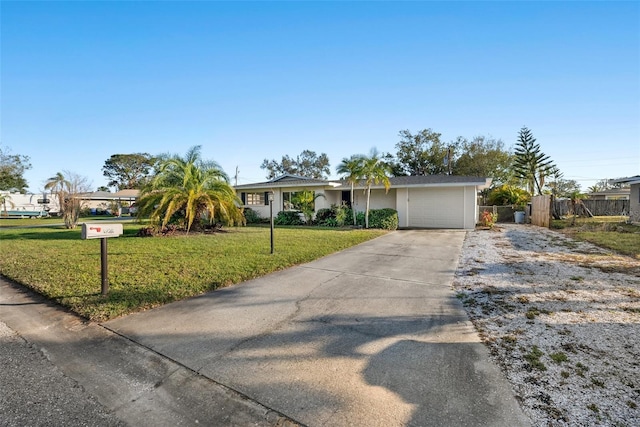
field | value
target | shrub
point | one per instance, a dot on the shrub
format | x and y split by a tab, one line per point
386	219
288	218
488	219
343	215
331	222
508	195
336	216
322	215
252	217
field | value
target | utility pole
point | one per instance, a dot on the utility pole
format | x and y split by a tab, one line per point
237	172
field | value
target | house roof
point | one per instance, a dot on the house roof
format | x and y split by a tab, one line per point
105	195
612	192
129	192
289	181
422	180
429	181
629	180
398	181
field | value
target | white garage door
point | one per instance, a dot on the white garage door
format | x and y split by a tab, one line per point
436	207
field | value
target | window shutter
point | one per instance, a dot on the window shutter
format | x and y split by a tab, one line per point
266	198
243	198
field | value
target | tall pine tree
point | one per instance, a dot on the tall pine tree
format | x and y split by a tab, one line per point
530	163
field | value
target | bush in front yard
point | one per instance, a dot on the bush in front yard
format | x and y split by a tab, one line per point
252	217
324	214
336	216
387	219
288	218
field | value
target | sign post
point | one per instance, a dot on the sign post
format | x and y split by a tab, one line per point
102	232
104	269
271	215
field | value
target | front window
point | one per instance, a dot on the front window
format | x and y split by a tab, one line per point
254	199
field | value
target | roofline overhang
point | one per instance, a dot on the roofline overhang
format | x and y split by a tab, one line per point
629	180
480	185
331	185
270	185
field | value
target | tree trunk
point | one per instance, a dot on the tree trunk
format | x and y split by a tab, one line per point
353	209
366	215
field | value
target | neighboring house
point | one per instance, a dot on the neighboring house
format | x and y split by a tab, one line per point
634	196
432	201
104	200
610	194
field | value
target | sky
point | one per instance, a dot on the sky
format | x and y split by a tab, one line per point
248	81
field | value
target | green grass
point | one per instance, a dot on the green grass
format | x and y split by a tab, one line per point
148	272
559	357
607	232
533	357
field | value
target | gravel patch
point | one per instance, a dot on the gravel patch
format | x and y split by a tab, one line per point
561	318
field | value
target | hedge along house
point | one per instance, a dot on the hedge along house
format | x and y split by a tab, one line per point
430	201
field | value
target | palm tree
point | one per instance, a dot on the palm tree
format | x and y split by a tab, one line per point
351	169
305	201
374	171
576	200
192	187
57	184
4	199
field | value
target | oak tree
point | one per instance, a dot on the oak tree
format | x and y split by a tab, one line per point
12	168
308	164
128	170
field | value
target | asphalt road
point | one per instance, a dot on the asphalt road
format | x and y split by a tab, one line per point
34	392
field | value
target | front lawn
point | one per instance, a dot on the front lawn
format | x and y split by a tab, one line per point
608	232
148	272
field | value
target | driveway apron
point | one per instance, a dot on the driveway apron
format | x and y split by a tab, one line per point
370	336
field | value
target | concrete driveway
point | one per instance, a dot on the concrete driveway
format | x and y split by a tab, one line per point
370	336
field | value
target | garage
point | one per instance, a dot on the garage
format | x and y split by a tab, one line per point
436	207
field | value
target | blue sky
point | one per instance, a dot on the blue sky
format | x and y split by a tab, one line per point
253	80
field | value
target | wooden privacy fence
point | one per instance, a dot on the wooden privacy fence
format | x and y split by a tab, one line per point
541	211
563	208
596	207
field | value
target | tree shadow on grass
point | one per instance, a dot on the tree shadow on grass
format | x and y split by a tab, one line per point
50	233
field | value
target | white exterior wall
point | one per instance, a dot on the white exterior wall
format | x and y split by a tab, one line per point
379	199
262	211
323	202
332	198
402	206
470	208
